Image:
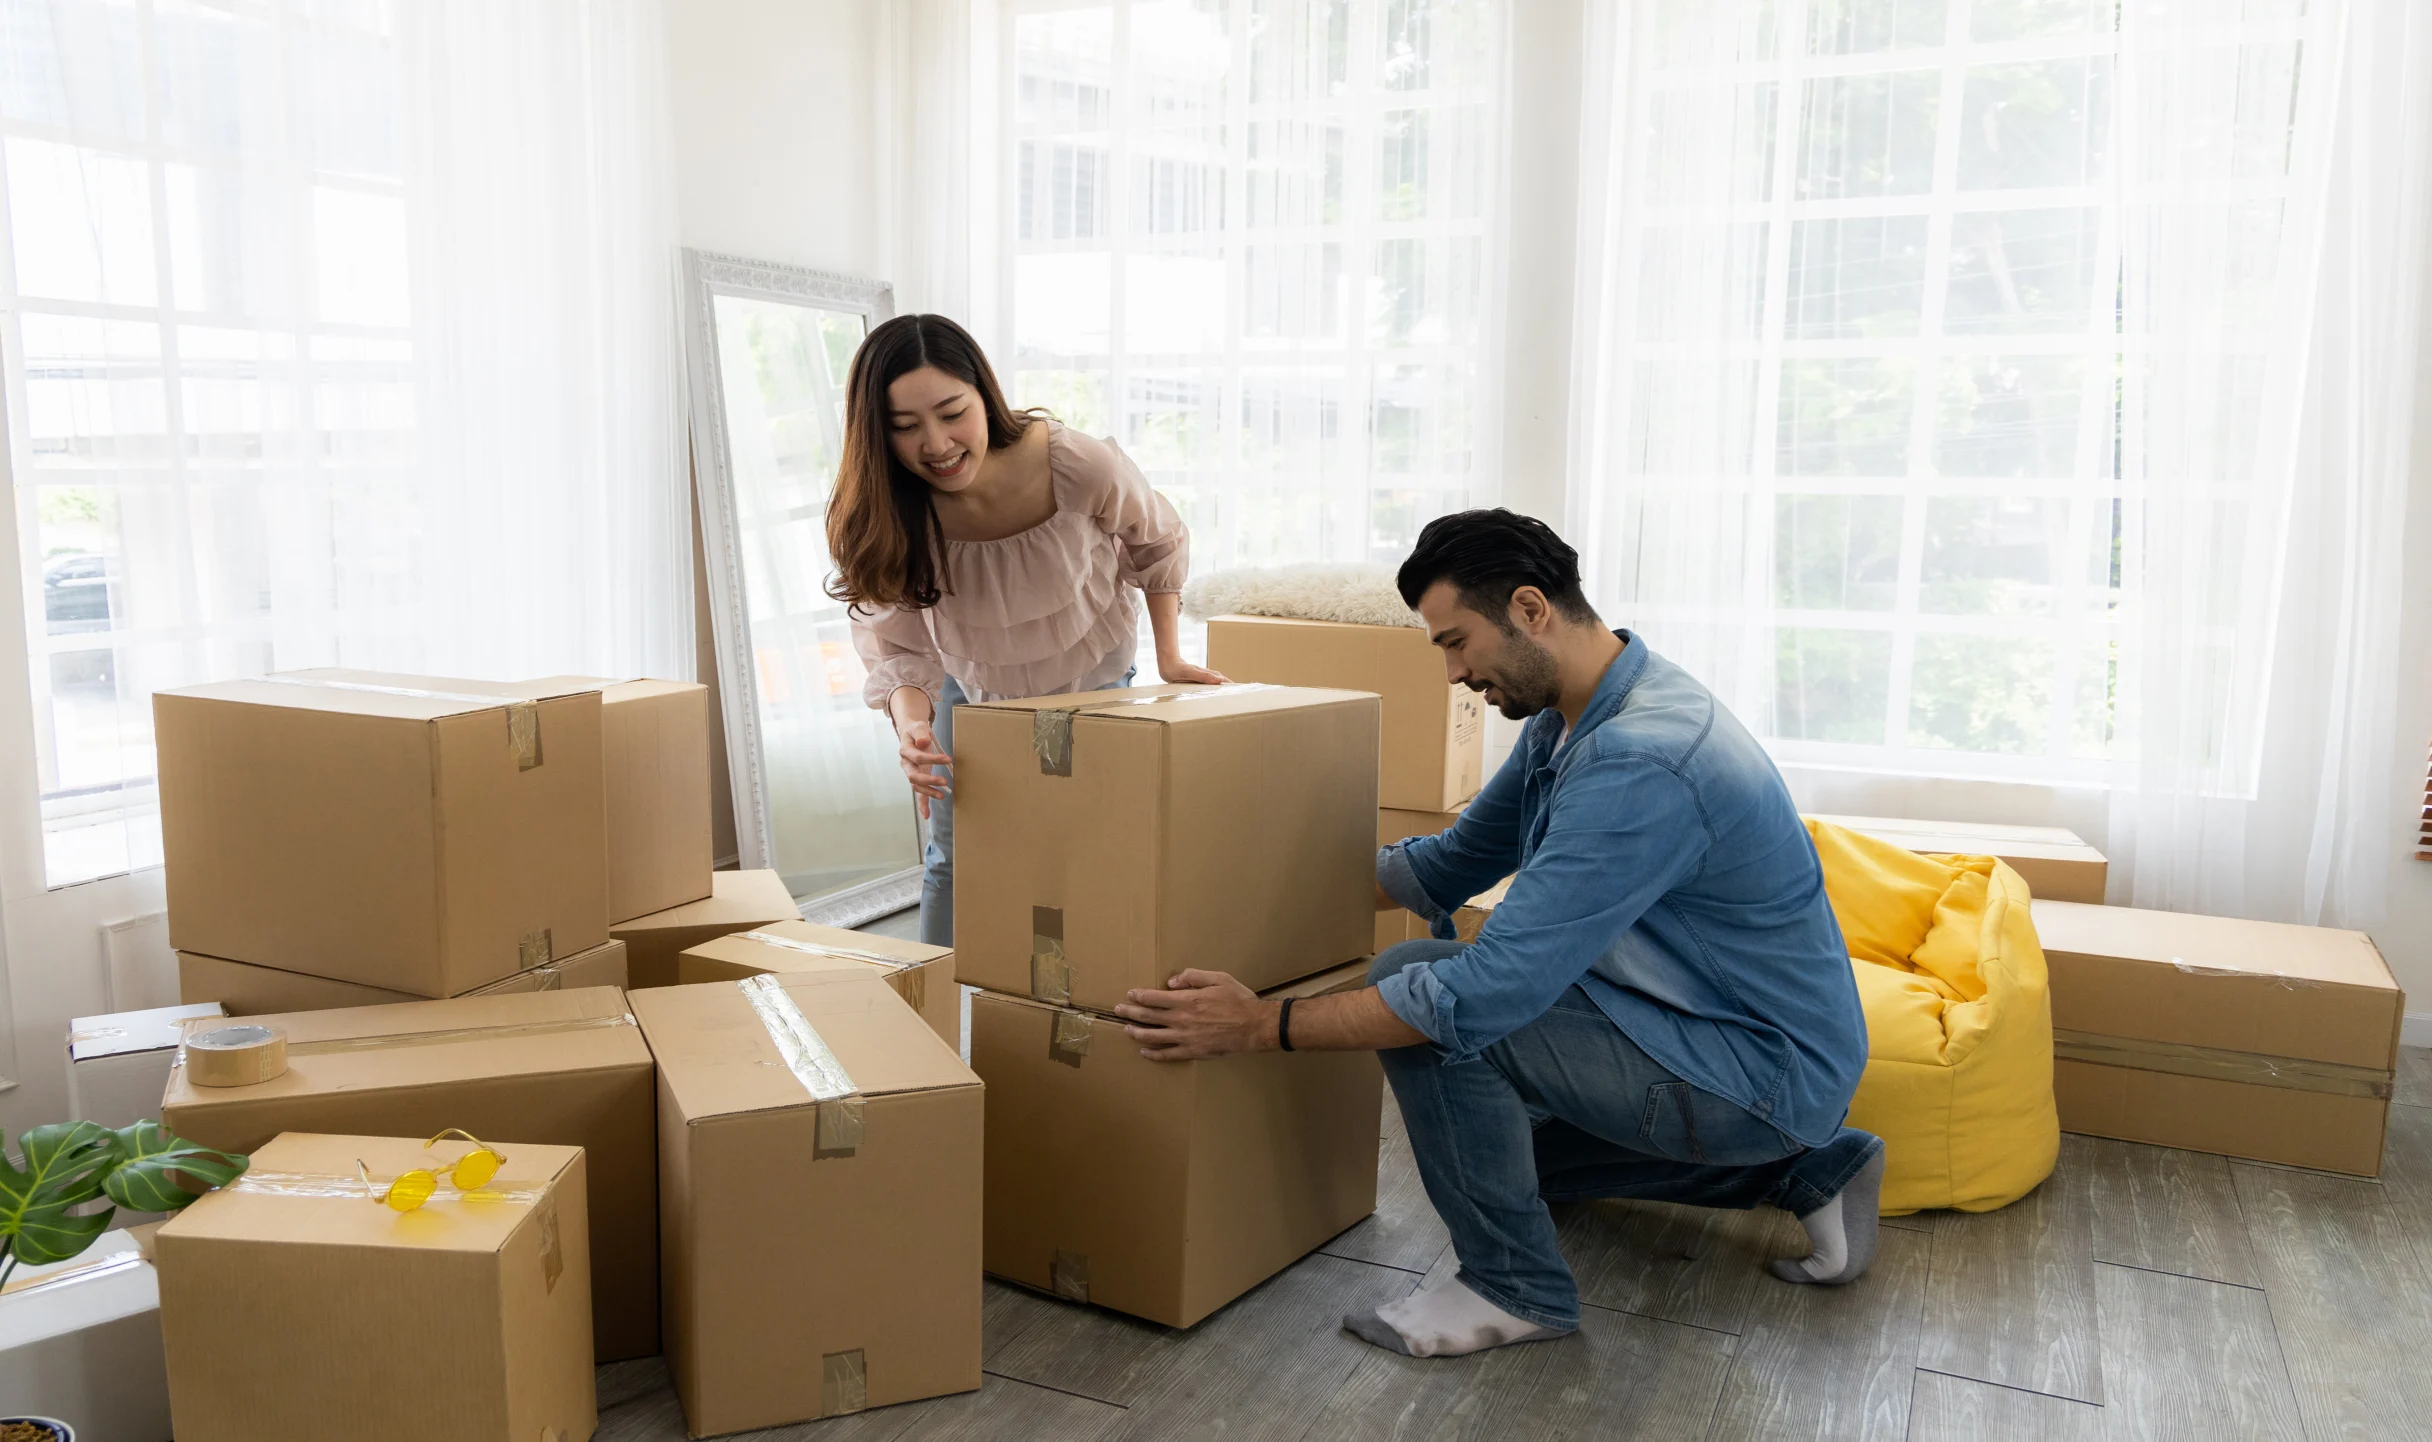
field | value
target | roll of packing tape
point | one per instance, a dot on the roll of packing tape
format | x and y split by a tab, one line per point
235	1056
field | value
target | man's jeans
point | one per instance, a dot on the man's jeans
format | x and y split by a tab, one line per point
1565	1109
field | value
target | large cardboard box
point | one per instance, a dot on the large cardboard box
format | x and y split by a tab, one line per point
295	1309
1109	840
424	835
820	1174
655	744
1392	825
80	1341
922	975
2248	1038
243	989
1433	751
2054	862
738	901
1165	1189
118	1064
558	1068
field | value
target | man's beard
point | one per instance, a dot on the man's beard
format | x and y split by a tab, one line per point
1529	681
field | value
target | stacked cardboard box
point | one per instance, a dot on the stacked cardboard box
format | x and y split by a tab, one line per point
738	901
80	1341
922	975
2054	862
1106	842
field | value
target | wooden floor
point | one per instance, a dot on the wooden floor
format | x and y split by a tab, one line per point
2139	1293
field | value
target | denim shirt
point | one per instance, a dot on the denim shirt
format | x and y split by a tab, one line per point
1663	869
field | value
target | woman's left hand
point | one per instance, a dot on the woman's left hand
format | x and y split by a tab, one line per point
1180	672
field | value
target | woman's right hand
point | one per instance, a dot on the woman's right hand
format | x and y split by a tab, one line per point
916	748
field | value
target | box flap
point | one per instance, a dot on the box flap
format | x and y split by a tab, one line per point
377	693
1239	619
717	1057
809	944
2320	955
612	690
122	1032
303	1188
2052	843
1172	705
736	899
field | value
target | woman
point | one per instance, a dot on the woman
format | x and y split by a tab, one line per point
985	553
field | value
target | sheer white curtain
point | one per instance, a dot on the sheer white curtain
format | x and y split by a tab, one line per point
341	335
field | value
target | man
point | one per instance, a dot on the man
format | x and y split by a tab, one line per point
1661	1006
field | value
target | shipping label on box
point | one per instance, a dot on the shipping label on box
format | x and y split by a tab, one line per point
560	1068
119	1064
2054	862
1432	753
820	1174
1109	840
80	1342
1165	1189
922	975
655	752
419	834
245	990
295	1308
738	901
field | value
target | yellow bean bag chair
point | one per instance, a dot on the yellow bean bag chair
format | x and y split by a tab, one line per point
1958	1021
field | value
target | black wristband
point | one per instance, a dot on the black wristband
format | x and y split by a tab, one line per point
1283	1024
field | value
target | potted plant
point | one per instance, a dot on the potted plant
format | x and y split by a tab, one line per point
70	1165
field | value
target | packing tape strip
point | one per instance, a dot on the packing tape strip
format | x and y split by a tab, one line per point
523	713
1050	974
1051	731
1068	1275
330	1184
98	1033
814	948
1070	1039
2222	1064
83	1269
387	1041
844	1383
234	1056
807	1056
532	949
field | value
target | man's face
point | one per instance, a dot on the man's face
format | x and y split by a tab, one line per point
1490	655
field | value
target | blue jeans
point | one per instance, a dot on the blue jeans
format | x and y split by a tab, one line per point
1566	1109
937	858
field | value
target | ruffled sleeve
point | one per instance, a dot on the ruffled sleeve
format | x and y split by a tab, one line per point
896	648
1152	546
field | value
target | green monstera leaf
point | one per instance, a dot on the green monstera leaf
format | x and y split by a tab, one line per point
65	1163
151	1159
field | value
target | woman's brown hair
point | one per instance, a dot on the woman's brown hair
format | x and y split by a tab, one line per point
883	531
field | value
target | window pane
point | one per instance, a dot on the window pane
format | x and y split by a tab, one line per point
2010	416
2038	124
1861	277
2019	271
1995	20
1831	685
1846	417
1836	553
1853	27
1869	135
1991	556
1981	693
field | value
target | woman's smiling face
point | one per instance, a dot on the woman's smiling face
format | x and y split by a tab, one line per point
937	427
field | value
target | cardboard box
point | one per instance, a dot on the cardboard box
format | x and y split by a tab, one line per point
738	901
247	990
1432	755
119	1064
2056	865
427	836
1397	925
294	1309
80	1341
2248	1038
655	752
922	975
555	1068
823	1255
1109	840
1165	1189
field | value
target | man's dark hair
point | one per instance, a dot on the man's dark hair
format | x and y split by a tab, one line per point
1487	555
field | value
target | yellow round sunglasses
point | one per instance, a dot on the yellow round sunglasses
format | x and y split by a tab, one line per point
471	1172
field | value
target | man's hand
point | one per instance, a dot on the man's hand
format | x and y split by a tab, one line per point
1204	1014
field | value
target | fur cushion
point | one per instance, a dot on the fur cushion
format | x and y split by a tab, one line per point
1354	593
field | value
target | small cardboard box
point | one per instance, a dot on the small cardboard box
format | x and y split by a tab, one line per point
119	1064
80	1341
1165	1189
820	1170
246	990
922	975
1397	925
738	901
427	836
2248	1038
294	1309
2053	861
1432	756
655	742
1109	840
556	1068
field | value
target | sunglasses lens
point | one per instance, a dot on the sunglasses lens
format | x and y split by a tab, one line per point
474	1170
412	1190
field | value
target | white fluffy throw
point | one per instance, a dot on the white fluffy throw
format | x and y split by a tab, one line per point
1355	593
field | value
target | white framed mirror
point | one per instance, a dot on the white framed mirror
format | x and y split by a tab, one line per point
818	796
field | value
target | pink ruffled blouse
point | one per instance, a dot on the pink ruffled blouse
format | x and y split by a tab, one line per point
1045	611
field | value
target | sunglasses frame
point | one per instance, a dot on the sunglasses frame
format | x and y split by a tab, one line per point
432	1174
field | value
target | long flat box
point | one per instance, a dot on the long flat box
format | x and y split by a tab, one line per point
242	989
420	834
1394	825
738	901
823	1255
1109	840
118	1064
294	1309
1432	754
922	975
2247	1038
80	1341
554	1068
1165	1189
655	743
2055	863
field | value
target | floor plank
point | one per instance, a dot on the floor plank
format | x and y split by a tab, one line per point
1694	1265
1404	1231
1005	1408
1955	1409
2414	1076
1619	1376
2191	1359
1830	1362
2166	1211
2009	1296
658	1417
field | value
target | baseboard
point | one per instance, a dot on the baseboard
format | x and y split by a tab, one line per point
2416	1030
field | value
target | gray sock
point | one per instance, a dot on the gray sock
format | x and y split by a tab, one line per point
1842	1233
